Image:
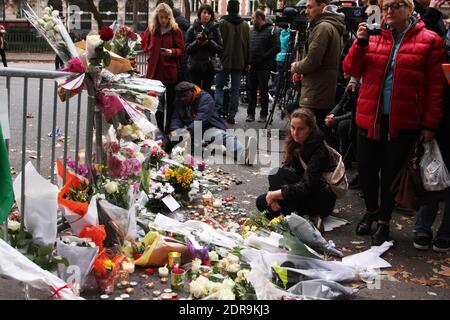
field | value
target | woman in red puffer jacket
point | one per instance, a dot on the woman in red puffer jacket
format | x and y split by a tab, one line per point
400	99
165	45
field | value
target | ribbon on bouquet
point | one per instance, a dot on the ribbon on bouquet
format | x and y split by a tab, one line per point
75	66
57	290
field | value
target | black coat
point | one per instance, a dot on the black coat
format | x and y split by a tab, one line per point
199	55
264	46
318	159
431	17
202	109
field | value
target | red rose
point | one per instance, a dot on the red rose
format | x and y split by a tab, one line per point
149	271
137	255
106	34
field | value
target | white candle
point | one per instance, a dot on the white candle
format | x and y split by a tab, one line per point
128	266
163	272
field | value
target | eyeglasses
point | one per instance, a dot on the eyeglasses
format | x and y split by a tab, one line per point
393	6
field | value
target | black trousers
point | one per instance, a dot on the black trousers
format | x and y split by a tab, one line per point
2	53
203	80
319	202
258	79
59	64
379	161
169	106
330	137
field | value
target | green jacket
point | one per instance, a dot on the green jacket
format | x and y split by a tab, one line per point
236	41
320	63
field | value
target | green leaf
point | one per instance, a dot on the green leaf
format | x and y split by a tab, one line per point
106	58
45	250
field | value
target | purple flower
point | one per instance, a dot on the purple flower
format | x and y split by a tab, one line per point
83	170
70	163
197	253
190	160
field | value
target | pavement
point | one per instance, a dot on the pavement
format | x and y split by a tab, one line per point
30	57
414	274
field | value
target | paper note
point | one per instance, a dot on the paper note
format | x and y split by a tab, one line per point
171	203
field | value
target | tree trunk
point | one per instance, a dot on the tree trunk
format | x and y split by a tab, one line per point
93	9
135	15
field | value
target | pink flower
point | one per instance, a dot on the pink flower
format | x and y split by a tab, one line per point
165	168
190	160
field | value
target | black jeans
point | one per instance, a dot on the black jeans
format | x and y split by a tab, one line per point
169	106
59	64
330	137
203	80
2	53
258	79
319	202
379	161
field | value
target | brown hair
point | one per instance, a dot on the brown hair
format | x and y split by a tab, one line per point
290	146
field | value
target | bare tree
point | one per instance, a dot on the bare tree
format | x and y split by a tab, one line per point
93	9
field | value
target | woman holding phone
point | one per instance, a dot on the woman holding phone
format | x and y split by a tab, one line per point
165	46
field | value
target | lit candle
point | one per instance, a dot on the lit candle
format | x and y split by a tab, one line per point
207	198
163	272
217	203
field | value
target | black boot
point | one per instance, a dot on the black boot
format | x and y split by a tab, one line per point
381	235
365	225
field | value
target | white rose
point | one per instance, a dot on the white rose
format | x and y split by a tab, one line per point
242	275
48	10
111	187
57	28
13	226
231	258
150	103
46	18
55	13
233	268
41	22
51	34
213	256
126	130
49	26
139	40
199	287
228	283
214	287
226	294
196	263
222	264
92	42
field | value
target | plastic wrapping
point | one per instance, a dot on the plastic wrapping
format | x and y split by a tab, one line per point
40	205
435	176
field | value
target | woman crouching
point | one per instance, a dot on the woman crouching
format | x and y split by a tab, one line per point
294	188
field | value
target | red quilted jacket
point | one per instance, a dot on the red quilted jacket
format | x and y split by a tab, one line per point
418	81
162	67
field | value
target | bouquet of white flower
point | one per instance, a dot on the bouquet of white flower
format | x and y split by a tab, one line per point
52	29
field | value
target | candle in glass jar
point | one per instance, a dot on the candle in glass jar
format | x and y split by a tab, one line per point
217	203
207	199
128	266
163	272
174	258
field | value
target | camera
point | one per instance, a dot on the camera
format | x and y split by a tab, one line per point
294	16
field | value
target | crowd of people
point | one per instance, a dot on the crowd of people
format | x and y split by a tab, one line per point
396	95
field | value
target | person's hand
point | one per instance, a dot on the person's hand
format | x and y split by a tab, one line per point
167	52
427	135
436	4
275	206
362	31
269	198
186	136
329	120
293	67
351	86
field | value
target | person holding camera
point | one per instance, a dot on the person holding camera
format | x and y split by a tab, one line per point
165	46
319	66
400	99
203	42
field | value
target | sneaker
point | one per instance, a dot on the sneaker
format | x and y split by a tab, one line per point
250	118
262	119
422	242
250	151
441	245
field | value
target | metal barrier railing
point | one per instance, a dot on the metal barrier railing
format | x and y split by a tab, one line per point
141	61
47	119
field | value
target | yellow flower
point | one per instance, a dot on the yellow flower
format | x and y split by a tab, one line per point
109	265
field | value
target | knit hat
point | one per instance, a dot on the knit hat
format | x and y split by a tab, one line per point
233	6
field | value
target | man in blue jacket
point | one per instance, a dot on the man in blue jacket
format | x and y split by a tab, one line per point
195	111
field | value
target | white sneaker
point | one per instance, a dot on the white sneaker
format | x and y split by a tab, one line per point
250	151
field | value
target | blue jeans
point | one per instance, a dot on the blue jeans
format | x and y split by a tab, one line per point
221	78
427	214
233	145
